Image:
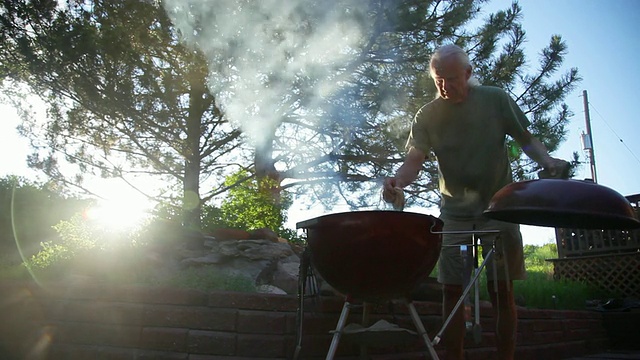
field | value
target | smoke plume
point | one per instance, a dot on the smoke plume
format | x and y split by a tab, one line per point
266	56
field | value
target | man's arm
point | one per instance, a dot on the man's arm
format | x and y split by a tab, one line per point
539	153
406	174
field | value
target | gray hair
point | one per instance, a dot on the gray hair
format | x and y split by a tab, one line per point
456	51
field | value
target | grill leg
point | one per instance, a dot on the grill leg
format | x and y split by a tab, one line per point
305	275
338	332
366	308
422	331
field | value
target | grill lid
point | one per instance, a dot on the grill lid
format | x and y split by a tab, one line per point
562	203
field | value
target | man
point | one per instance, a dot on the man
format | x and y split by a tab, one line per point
466	128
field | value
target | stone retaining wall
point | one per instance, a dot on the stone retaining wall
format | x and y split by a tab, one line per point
102	322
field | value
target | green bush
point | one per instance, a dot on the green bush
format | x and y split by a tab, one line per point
536	256
541	291
118	256
12	272
28	211
75	238
251	204
84	246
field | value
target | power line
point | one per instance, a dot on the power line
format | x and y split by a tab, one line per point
613	131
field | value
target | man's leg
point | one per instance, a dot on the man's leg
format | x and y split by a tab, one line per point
506	318
452	275
508	259
453	335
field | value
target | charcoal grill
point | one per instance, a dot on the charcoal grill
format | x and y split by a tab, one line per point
373	256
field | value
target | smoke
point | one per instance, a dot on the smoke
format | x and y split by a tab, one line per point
269	59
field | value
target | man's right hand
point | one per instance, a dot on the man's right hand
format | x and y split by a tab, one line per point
389	189
407	173
393	194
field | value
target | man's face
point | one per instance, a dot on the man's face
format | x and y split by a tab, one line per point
451	77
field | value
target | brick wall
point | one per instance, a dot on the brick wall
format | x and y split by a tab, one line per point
100	322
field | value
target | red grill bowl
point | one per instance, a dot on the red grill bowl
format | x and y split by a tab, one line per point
374	255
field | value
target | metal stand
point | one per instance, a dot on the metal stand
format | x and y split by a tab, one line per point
415	317
471	282
306	279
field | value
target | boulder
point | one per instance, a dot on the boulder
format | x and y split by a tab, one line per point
270	289
267	263
230	234
265	234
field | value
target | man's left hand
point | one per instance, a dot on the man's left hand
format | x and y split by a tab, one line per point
555	169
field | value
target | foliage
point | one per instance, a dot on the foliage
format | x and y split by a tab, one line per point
52	254
536	256
255	203
124	97
293	237
28	211
541	291
122	256
338	145
316	98
251	204
86	247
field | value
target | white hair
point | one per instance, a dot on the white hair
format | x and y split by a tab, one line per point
456	51
473	81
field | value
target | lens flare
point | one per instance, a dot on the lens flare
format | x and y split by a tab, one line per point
120	213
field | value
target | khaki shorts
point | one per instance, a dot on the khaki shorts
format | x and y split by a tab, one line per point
508	259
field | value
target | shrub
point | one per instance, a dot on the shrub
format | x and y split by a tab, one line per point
121	256
541	291
535	257
251	204
86	246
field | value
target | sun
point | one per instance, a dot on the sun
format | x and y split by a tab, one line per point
120	209
120	213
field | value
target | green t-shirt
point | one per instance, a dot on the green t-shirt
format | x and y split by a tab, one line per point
469	142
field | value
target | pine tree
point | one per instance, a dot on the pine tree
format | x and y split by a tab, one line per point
315	96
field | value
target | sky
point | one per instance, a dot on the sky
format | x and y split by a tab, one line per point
603	43
602	39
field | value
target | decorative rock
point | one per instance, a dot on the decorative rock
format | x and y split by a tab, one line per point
209	259
263	261
286	276
229	234
254	249
270	289
264	233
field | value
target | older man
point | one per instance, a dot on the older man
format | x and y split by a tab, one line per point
466	128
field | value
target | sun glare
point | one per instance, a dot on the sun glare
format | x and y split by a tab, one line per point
120	213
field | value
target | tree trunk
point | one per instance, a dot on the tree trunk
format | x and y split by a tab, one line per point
265	168
192	203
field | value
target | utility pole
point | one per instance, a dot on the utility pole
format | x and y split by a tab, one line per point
587	139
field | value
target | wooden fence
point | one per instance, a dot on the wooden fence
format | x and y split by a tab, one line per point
608	259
